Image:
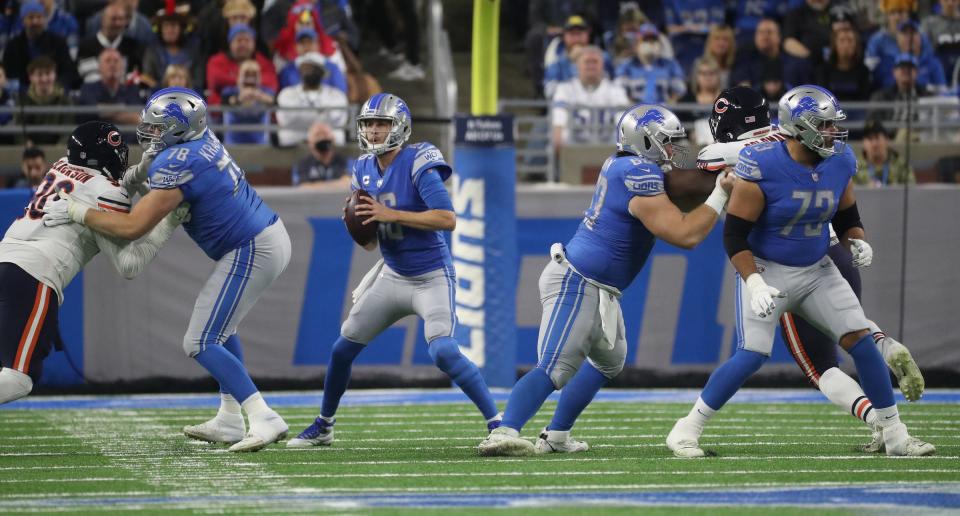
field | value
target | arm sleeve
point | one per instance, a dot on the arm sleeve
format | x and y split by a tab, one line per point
433	193
167	172
747	167
129	258
735	232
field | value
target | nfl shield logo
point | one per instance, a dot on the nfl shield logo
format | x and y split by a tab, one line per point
366	180
379	183
816	176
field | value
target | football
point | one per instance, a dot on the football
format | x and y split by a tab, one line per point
362	234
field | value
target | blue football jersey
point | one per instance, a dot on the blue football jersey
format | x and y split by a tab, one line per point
611	245
406	250
793	228
225	211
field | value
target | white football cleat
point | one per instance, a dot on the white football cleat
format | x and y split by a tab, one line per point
556	441
908	375
900	444
876	444
223	428
684	439
264	430
319	433
501	443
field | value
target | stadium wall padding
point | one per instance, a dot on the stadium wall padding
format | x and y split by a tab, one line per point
679	311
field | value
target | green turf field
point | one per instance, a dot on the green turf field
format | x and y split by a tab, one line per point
411	458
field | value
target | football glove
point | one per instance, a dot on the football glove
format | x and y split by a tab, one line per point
136	175
181	214
762	296
63	210
862	253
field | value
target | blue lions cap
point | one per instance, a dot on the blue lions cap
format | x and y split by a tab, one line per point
906	58
240	28
31	8
909	24
306	32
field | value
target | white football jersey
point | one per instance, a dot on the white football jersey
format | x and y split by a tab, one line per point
54	255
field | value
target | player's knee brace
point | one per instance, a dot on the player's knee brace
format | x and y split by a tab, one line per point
13	385
445	353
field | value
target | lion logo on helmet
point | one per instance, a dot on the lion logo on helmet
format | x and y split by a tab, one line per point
807	103
654	115
174	111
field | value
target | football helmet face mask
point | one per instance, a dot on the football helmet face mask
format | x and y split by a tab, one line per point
737	112
171	116
649	131
811	114
388	107
99	146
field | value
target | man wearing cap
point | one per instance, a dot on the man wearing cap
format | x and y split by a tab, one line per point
111	35
904	90
884	45
59	23
558	65
649	77
307	42
878	164
223	67
33	42
308	102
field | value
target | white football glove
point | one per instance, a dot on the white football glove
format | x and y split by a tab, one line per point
862	253
136	175
762	295
63	210
181	214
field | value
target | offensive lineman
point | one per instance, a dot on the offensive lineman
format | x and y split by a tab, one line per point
233	226
581	285
775	232
37	262
416	275
740	118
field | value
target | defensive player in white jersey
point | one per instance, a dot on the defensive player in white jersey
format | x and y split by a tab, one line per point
233	226
776	238
416	275
38	262
582	343
741	117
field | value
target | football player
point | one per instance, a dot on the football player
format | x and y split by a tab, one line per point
581	286
776	236
416	274
741	117
38	262
232	225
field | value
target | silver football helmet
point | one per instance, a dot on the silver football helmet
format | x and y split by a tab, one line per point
171	116
385	106
810	114
647	129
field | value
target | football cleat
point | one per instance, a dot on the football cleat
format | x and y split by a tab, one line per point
320	433
683	440
908	375
500	443
899	443
558	442
494	422
264	430
876	445
223	428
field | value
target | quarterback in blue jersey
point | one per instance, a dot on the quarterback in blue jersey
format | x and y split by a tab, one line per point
234	227
416	274
776	235
581	286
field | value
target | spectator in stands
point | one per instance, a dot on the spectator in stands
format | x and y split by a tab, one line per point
688	24
316	102
63	24
273	17
806	39
410	68
34	41
558	63
622	43
750	60
878	164
111	35
844	73
721	48
302	14
249	101
705	87
868	16
176	75
33	165
546	19
43	91
138	25
772	85
649	77
112	90
943	32
323	168
223	68
903	93
337	19
175	46
306	43
930	73
883	47
748	16
586	109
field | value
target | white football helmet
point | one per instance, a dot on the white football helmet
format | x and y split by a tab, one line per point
810	113
171	116
647	129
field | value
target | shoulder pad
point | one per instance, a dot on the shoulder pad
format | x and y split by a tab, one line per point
428	157
643	178
747	166
168	172
717	156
